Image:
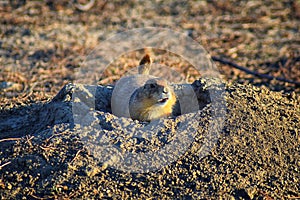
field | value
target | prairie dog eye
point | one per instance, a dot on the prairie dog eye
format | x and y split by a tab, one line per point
152	85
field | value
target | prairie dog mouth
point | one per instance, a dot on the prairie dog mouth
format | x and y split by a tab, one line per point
163	100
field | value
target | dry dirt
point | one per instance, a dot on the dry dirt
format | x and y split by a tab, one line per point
255	154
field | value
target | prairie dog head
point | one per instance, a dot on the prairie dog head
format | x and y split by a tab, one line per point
153	100
155	91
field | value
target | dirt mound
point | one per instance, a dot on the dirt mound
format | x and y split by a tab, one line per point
246	145
254	155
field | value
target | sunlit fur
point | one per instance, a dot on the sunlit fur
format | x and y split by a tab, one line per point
145	103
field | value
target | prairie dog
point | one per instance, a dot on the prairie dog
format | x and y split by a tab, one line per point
143	97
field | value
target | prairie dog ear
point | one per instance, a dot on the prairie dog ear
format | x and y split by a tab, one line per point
145	65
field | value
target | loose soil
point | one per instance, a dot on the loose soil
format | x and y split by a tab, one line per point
254	155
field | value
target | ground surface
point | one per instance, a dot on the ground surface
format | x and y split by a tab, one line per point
257	153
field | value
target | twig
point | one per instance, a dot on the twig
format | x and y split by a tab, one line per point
1	166
28	140
47	148
76	155
41	198
85	7
9	139
227	62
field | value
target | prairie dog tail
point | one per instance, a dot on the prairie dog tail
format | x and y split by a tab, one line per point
145	65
